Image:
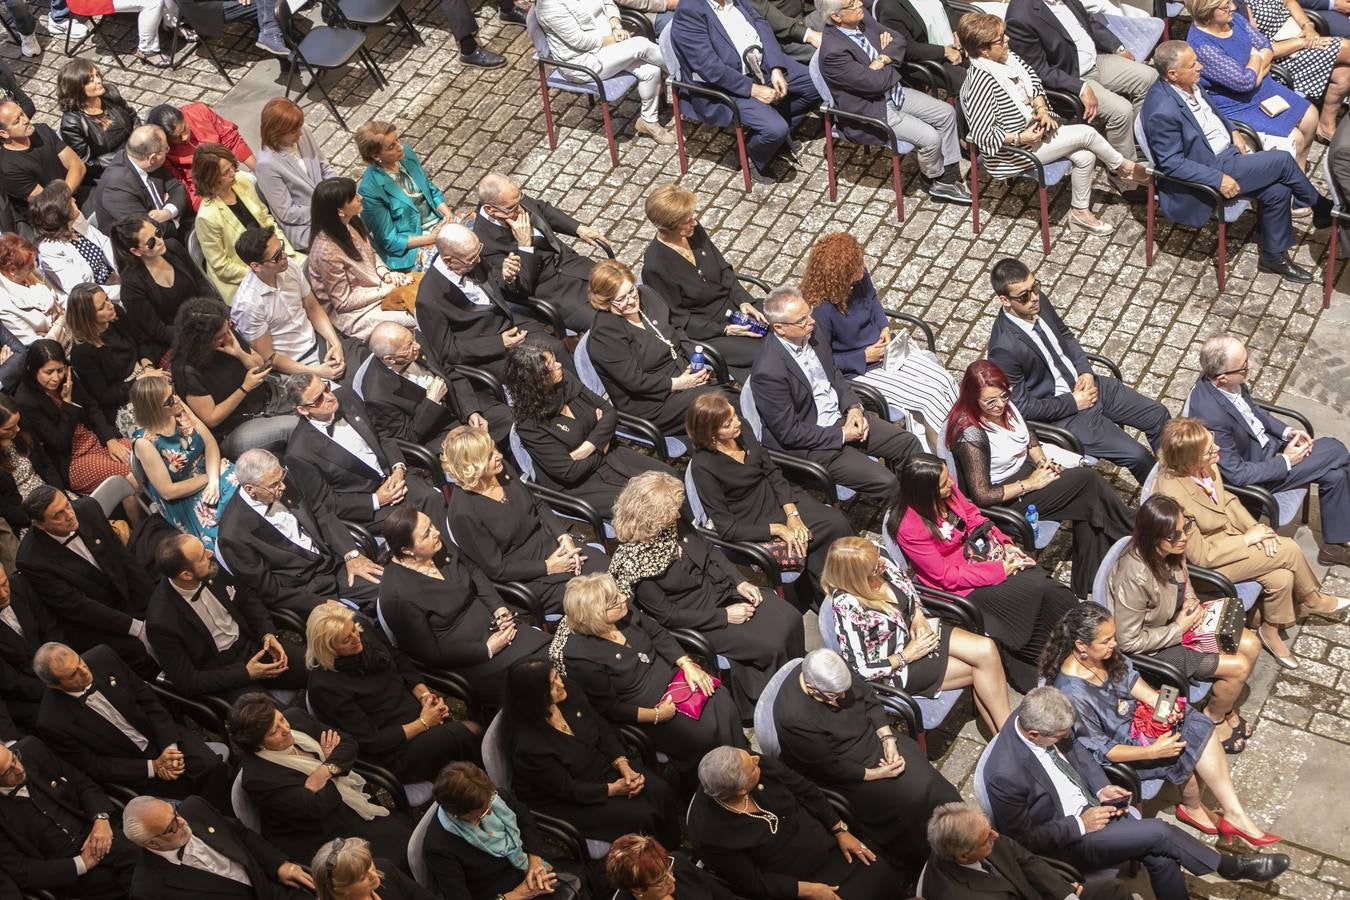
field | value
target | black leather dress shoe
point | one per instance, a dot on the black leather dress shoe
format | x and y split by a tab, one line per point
483	58
512	16
1286	268
1256	867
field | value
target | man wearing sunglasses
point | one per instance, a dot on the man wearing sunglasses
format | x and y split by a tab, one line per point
1052	378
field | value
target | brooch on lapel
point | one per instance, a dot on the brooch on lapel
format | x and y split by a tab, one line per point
562	427
645	659
112	682
210	829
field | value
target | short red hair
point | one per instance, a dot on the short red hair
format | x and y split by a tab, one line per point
280	117
16	254
967	411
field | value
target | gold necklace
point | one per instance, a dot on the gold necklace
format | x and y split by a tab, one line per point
768	818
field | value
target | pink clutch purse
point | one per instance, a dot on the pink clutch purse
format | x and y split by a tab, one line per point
688	699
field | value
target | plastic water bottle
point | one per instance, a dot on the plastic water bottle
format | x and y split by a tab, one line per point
696	361
736	317
1034	520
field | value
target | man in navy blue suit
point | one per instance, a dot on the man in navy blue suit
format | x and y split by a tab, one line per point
1257	448
1054	799
1189	138
716	41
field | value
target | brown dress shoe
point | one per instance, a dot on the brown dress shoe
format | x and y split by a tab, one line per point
1334	555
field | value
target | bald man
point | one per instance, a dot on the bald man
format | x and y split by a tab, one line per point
139	185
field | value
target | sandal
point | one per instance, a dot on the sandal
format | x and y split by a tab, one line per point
1235	744
1243	727
154	60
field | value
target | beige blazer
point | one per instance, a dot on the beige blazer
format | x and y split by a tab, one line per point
1144	607
1219	527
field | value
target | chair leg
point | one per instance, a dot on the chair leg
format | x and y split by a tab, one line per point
1330	274
829	157
548	109
899	187
974	192
1045	220
290	76
412	29
679	129
369	62
609	134
1223	252
216	60
745	160
317	81
1148	225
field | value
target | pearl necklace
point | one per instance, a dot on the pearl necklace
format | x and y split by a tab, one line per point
768	818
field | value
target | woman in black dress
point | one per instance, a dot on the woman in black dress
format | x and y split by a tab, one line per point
682	581
503	528
357	678
684	267
642	359
158	276
746	497
568	762
346	869
569	431
639	868
445	613
95	120
772	835
104	355
299	776
625	662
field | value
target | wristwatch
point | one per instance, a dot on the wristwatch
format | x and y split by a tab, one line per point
841	828
101	817
332	769
351	555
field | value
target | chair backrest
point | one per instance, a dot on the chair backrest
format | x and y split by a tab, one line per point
1146	489
818	80
765	731
1333	189
749	412
829	636
111	492
890	544
360	377
417	861
1103	576
496	757
666	42
384	626
207	19
522	456
194	249
1141	138
244	808
980	788
586	369
536	32
691	494
943	452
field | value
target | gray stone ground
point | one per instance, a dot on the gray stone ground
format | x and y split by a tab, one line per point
465	122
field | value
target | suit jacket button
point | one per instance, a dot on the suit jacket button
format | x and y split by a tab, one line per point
210	829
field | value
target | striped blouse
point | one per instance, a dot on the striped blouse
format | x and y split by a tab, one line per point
992	115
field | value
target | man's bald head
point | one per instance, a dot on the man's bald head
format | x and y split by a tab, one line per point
455	240
496	189
389	338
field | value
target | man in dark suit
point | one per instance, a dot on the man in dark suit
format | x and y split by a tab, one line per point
796	24
1255	448
1074	52
89	582
408	401
468	317
194	851
772	91
972	861
335	444
513	226
55	833
808	407
210	637
860	62
139	185
901	16
1052	379
1190	139
25	625
1051	795
99	715
290	549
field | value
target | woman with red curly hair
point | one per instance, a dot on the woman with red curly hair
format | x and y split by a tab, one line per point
29	308
1000	463
851	320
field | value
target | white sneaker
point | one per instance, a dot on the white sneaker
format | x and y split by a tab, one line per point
29	45
58	29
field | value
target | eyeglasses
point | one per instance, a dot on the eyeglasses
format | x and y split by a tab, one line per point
1035	289
660	882
174	824
1001	39
276	257
1187	526
310	404
621	299
276	485
1212	450
996	402
798	323
171	401
487	811
152	242
1242	371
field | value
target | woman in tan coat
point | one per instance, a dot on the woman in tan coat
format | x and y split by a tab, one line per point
1154	603
1227	539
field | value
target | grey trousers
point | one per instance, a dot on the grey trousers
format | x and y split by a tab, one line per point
930	125
1120	86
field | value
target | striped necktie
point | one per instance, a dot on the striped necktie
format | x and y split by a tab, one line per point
898	92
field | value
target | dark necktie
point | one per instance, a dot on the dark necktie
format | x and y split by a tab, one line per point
197	593
68	539
988	867
84	695
332	426
1072	774
1056	359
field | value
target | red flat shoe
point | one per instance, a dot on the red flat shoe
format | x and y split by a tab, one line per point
1229	831
1184	816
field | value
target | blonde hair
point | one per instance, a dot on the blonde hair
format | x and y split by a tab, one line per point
607	277
326	623
147	401
586	600
465	455
669	205
1182	447
849	567
369	138
646	505
339	864
1202	11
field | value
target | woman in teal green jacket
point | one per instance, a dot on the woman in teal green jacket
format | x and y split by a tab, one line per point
403	209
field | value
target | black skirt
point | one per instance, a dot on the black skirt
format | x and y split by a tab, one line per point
923	678
1195	665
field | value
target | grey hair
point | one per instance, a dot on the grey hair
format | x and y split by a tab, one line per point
777	303
1046	710
826	670
1216	352
294	386
953	830
42	661
146	140
828	8
721	773
253	464
454	239
492	186
137	810
1167	55
385	337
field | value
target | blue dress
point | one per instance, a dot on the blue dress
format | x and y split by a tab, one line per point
184	457
1232	86
1104	714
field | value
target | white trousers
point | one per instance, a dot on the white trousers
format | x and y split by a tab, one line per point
1083	145
639	56
149	15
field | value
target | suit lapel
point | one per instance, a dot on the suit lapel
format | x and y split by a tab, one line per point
1048	16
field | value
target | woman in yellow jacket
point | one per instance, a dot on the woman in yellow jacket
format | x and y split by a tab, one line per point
230	204
1227	539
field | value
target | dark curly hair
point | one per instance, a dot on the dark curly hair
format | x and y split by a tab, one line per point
251	717
195	329
528	693
1079	624
526	377
832	269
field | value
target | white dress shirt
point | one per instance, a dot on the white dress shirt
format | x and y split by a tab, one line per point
199	855
419	375
260	309
1072	800
347	437
1258	429
104	708
224	629
1217	136
10	618
283	520
827	401
75	544
472	290
1082	41
743	35
158	199
1061	386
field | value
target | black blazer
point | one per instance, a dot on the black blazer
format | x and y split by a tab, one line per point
121	194
90	741
1022	797
104	370
446	628
65	794
855	85
1029	376
467	873
400	409
17	650
317	461
85	599
183	644
539	271
456	331
98	146
54	425
1021	876
158	879
277	571
901	16
635	365
552	769
1037	36
786	405
699	296
615	677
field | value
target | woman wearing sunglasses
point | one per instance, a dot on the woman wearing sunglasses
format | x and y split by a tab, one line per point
158	276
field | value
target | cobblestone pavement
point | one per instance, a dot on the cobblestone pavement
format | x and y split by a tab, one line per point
465	122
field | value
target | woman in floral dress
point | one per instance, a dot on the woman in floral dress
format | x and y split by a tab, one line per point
184	473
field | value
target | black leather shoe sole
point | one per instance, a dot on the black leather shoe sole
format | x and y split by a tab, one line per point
1287	270
484	59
